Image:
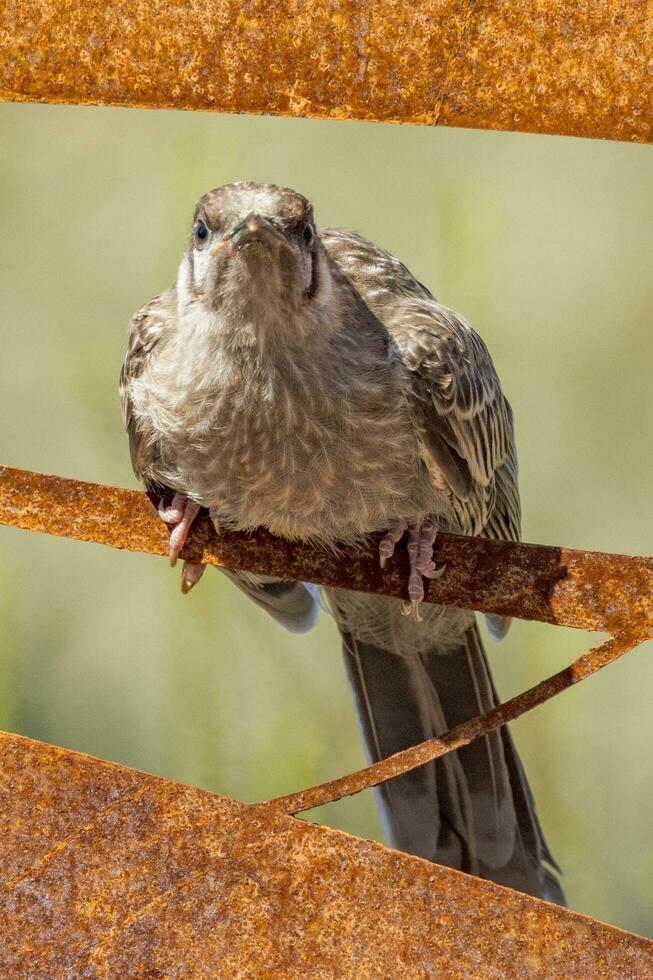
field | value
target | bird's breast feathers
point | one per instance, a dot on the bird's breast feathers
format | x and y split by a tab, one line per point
308	446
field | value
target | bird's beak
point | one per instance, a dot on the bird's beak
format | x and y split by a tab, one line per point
256	228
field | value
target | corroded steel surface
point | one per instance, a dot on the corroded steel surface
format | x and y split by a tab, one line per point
554	67
434	748
108	872
589	590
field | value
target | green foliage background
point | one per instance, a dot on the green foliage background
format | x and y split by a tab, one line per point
545	244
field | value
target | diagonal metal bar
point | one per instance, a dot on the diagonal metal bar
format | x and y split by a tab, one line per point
555	67
115	873
418	755
583	589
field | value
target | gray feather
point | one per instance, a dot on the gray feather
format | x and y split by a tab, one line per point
472	809
147	329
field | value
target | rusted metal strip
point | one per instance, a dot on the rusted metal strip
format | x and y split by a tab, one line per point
585	589
109	872
572	588
555	67
434	748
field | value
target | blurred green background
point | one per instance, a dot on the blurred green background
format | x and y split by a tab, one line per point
545	244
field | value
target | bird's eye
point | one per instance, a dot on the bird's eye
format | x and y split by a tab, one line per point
308	234
201	232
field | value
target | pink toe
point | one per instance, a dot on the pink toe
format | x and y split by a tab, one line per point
175	511
388	543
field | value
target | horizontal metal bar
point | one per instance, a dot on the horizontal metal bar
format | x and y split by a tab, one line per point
556	67
584	589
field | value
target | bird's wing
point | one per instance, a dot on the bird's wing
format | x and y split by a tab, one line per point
147	328
463	419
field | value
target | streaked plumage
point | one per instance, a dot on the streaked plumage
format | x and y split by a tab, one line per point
317	389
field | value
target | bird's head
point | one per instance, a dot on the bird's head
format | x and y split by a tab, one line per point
254	247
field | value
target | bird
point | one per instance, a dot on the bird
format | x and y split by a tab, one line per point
304	381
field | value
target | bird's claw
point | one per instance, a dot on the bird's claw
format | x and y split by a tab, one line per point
388	543
191	573
435	572
421	541
174	512
412	609
181	512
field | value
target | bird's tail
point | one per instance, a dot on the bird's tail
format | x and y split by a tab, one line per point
472	809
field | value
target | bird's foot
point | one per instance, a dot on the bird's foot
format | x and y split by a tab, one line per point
421	540
182	512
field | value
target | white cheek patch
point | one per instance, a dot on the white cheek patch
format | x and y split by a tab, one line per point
191	279
184	294
201	263
324	291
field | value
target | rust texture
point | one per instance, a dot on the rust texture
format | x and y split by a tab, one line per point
109	872
418	755
613	593
554	67
584	589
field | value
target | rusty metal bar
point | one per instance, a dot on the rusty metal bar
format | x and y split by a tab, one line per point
434	748
573	588
584	589
113	914
109	872
554	67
